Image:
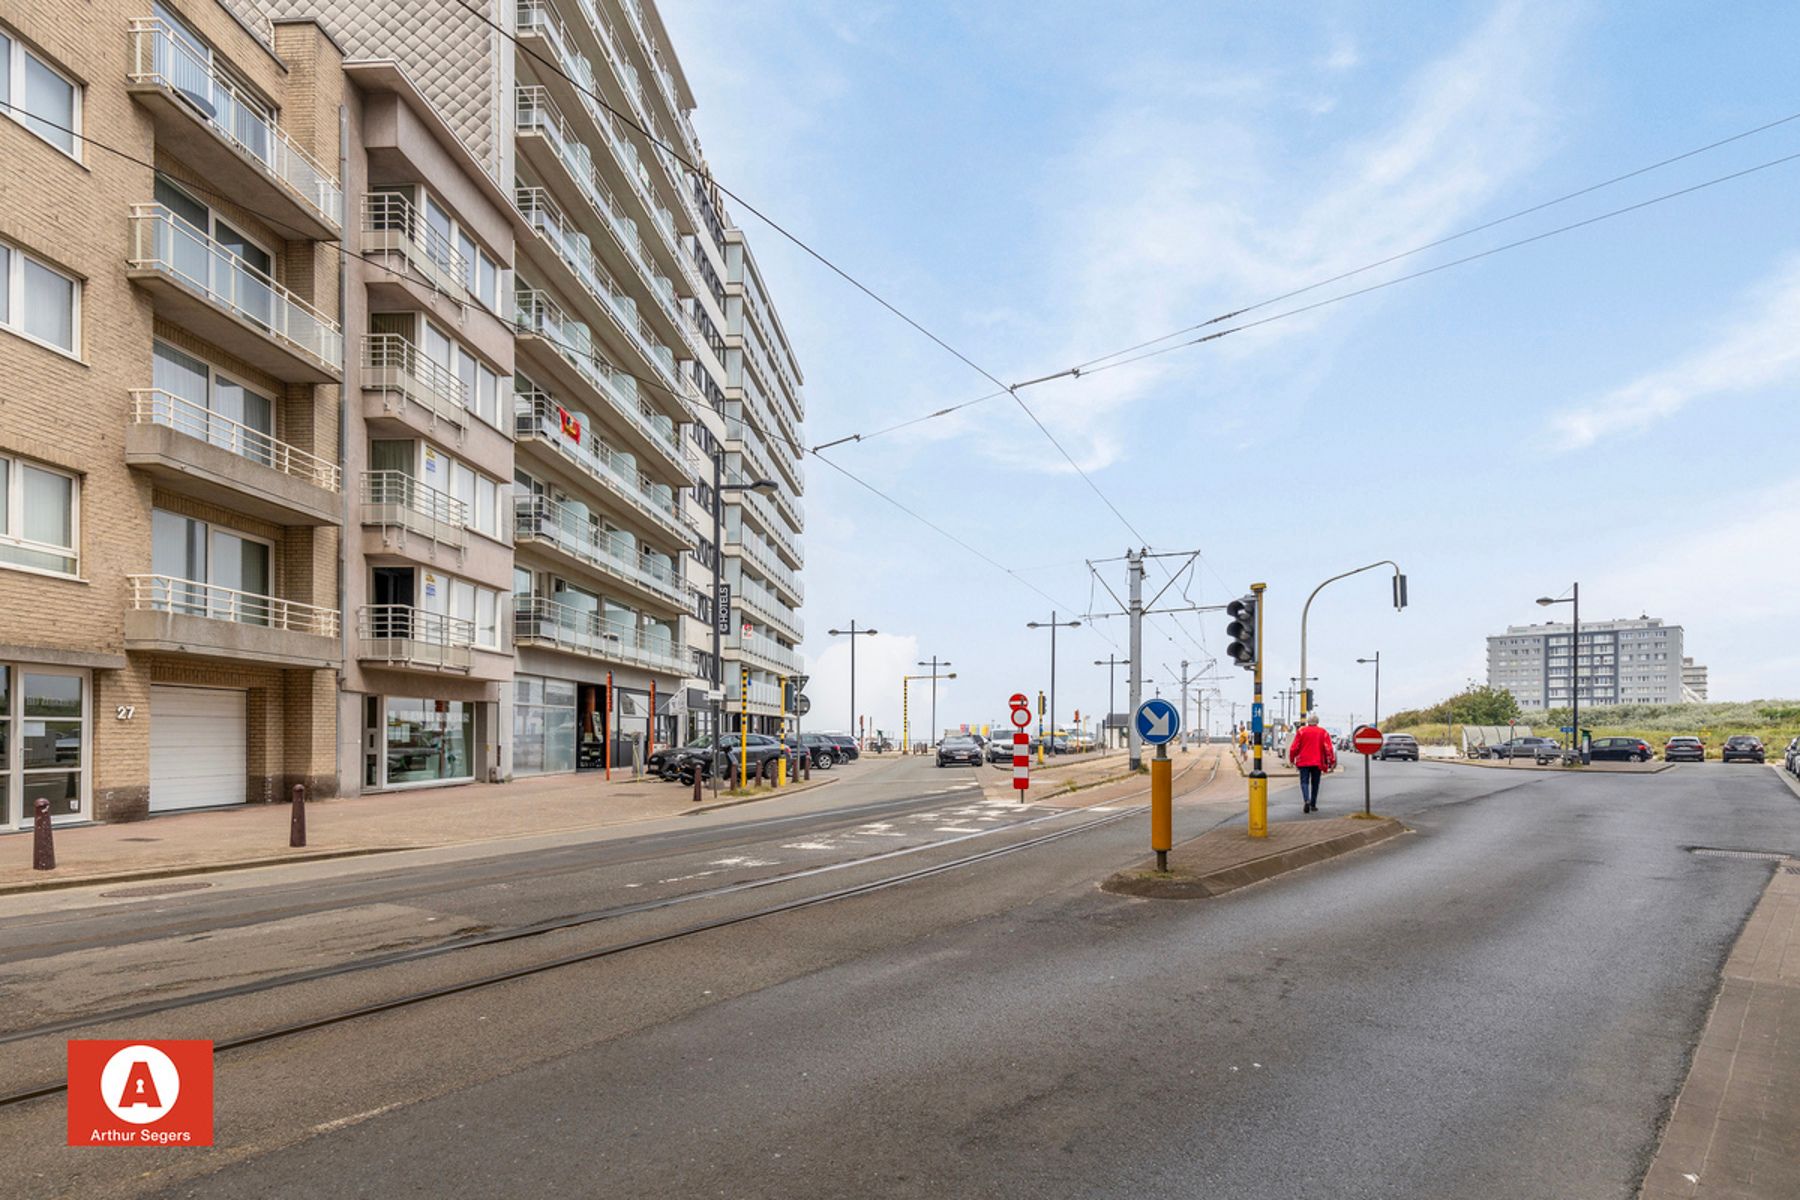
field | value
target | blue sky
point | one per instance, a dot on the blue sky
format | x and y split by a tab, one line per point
1040	183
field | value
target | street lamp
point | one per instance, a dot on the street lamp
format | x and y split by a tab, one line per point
852	633
1574	600
1399	603
934	664
1112	664
722	593
1377	661
1053	625
906	708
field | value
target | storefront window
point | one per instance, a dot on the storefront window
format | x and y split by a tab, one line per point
43	740
429	741
543	725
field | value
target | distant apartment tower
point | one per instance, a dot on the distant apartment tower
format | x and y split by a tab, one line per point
1619	662
1693	681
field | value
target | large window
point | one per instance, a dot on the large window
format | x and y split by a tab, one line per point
429	741
481	384
38	301
543	725
39	517
214	572
37	96
43	741
214	407
480	271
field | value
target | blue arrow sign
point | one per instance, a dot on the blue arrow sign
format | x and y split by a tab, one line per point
1158	721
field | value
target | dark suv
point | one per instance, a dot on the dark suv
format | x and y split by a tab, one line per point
1743	748
825	752
1399	745
1539	749
846	746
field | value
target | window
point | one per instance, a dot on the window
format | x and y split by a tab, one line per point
487	618
39	517
38	301
213	407
38	97
213	572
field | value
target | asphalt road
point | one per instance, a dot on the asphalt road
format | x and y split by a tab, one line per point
1500	1004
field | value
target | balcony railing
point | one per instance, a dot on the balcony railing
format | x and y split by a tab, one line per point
153	406
405	636
187	597
767	562
776	527
765	648
539	620
763	604
573	532
537	415
390	222
163	242
393	363
766	694
395	500
160	58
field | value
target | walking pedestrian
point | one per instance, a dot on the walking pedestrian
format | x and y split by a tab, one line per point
1313	753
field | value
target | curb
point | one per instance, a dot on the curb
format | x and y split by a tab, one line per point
774	794
75	881
1500	764
1139	881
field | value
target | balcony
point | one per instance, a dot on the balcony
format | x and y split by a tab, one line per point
564	348
196	452
576	538
763	651
540	621
202	286
539	419
182	616
402	507
778	530
228	136
397	635
763	604
397	368
768	564
391	226
764	695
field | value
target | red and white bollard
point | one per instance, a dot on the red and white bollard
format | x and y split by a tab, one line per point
1021	717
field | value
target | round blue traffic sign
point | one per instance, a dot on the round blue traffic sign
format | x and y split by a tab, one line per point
1158	721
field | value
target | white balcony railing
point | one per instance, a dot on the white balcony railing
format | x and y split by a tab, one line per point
536	415
163	242
539	620
767	562
766	649
187	597
391	223
153	406
160	58
766	607
402	635
765	694
394	499
575	533
393	363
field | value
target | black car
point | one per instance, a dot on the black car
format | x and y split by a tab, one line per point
1621	749
959	751
1399	745
1539	749
825	752
1743	748
1684	749
846	746
800	754
680	762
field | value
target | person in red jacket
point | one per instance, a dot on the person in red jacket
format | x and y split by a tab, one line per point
1314	754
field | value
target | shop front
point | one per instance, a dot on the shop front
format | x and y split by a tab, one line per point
418	741
45	735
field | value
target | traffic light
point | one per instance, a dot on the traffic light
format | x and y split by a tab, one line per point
1399	591
787	694
1242	631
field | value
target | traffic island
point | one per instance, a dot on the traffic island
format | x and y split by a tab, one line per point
1227	859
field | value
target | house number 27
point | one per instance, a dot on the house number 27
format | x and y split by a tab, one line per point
125	712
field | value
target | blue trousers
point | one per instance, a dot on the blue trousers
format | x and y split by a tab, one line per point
1309	784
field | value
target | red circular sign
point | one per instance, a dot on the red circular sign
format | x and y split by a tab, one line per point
1366	739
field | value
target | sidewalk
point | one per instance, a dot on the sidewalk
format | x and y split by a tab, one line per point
1734	1131
1223	860
257	834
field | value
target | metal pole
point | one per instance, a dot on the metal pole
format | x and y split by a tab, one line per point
1259	782
1053	677
1134	570
1307	610
1575	666
1366	759
1111	700
905	717
1184	687
934	724
1378	689
853	730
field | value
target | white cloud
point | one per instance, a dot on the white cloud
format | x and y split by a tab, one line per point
1760	348
880	662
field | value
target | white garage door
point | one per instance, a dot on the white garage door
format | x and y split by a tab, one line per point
198	748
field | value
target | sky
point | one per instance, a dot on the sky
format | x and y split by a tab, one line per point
1040	183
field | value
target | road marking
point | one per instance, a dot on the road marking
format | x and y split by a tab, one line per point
809	846
745	862
957	829
356	1119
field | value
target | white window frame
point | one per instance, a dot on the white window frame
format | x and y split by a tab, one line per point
15	504
13	282
14	106
12	778
274	592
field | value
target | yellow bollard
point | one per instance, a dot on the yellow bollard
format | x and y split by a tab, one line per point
1162	807
1259	806
781	771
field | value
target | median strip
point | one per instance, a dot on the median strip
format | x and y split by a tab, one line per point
1224	860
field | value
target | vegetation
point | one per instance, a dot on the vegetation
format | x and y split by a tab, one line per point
1479	705
1774	721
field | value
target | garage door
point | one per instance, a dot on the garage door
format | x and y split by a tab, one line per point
198	740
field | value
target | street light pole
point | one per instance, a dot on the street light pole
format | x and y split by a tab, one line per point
1574	600
852	633
1054	625
934	664
1377	661
1399	603
722	619
1112	665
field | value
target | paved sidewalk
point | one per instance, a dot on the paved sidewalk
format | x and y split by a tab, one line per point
257	834
1735	1130
1224	860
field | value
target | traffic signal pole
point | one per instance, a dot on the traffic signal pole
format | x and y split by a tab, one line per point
1259	782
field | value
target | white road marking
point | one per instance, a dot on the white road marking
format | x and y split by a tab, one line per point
685	878
745	862
346	1122
809	846
958	829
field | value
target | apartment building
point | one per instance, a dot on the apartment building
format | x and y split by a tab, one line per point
1617	662
370	381
1693	681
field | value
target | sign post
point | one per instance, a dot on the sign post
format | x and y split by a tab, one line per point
1021	718
1366	741
1157	723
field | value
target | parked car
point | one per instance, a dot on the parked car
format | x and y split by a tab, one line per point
959	751
799	754
846	747
1000	752
1538	749
1399	745
1621	749
825	753
1792	756
1743	748
681	762
1684	749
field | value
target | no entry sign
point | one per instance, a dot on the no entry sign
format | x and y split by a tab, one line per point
1366	739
